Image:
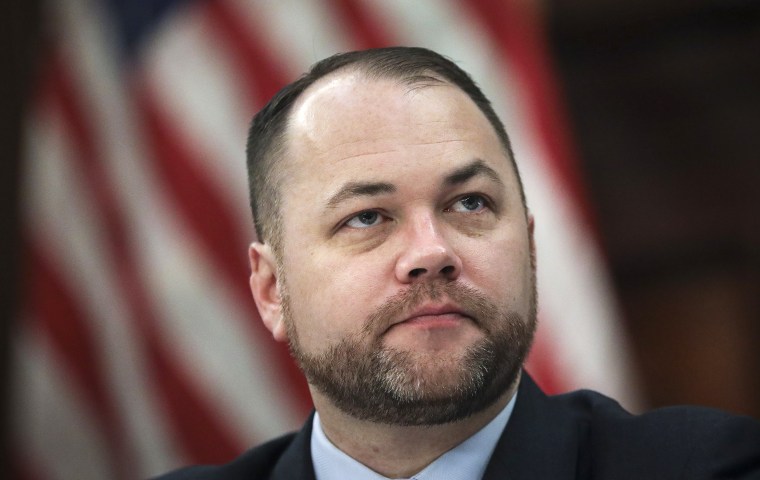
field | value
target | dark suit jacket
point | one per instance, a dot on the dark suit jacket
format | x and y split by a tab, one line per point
579	435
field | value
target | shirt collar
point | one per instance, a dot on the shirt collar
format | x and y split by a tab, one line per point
466	461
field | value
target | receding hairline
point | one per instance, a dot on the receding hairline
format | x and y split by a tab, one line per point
424	78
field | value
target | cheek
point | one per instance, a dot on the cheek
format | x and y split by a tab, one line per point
502	267
329	299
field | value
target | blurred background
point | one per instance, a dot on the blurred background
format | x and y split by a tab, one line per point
128	342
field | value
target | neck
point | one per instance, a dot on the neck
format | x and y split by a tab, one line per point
399	451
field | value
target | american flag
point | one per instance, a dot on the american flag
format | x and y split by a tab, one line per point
138	347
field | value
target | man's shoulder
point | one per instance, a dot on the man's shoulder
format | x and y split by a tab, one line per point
690	440
605	416
258	462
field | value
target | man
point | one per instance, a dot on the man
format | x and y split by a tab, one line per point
396	258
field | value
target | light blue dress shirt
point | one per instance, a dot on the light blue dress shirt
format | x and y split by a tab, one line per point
466	461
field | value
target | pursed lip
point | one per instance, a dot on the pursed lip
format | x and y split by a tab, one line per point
433	310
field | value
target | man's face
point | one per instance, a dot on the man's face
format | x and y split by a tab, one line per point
405	265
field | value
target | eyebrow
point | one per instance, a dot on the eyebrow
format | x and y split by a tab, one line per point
473	169
370	189
359	189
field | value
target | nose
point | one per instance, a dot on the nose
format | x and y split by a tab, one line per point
427	254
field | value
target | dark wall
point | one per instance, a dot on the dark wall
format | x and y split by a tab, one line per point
19	26
664	102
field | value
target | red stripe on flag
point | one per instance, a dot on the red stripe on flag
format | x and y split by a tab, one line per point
62	321
515	27
542	363
201	206
21	467
192	416
196	428
365	31
262	74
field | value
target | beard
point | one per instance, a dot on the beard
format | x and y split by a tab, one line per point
381	384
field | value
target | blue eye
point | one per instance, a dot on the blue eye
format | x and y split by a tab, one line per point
368	218
470	203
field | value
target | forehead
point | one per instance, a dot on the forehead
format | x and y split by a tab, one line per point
349	106
347	125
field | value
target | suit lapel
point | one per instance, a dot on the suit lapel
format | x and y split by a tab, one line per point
541	440
295	462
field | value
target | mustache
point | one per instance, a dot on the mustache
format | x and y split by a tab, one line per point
468	299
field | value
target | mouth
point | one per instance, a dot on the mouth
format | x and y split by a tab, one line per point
435	316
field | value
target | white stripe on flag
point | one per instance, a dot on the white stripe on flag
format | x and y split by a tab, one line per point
53	428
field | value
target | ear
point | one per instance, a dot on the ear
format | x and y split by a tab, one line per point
266	289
